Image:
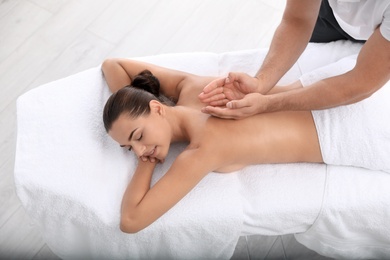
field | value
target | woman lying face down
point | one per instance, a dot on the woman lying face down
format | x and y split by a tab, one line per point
139	118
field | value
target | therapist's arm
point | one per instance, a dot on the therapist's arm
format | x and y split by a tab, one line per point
289	41
371	72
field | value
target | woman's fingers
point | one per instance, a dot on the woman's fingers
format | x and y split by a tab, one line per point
146	158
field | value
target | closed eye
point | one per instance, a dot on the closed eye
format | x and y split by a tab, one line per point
124	146
139	139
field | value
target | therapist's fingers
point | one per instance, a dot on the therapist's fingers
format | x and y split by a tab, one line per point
214	95
219	103
216	99
222	112
217	83
212	91
238	104
237	109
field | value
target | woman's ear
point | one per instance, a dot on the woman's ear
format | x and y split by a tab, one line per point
157	107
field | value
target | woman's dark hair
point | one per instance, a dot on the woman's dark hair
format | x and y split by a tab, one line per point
134	99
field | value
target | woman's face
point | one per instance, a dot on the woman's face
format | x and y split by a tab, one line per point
148	136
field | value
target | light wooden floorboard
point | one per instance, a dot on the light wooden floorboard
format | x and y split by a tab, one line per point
37	52
19	24
122	17
86	51
50	5
45	40
7	6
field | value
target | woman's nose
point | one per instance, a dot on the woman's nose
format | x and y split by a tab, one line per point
139	149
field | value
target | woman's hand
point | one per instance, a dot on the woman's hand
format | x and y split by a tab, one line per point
150	159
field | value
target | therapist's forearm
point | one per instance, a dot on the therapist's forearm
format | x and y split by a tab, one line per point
370	73
288	43
327	93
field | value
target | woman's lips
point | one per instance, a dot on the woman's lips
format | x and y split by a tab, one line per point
151	152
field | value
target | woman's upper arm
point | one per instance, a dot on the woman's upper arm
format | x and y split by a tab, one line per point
119	73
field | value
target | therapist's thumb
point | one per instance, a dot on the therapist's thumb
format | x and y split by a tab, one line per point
233	76
236	104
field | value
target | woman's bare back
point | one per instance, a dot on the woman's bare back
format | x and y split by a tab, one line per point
281	137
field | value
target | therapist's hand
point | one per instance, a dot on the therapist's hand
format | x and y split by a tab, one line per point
234	87
250	104
234	97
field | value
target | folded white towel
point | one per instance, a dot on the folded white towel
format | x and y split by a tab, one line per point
357	134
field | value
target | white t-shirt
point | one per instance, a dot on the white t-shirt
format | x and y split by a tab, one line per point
359	18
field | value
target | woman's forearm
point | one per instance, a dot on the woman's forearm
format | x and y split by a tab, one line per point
142	205
135	192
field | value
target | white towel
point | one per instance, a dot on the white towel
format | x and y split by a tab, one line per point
357	134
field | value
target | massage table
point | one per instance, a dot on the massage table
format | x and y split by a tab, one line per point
70	176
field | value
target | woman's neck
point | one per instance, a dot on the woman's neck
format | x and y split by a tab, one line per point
176	117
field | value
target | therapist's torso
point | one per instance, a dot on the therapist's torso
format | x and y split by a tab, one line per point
359	18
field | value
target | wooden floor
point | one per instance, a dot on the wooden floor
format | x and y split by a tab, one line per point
44	40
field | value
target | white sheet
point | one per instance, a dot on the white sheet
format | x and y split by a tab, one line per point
354	220
70	175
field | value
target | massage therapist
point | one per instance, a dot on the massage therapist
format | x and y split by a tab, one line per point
368	21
